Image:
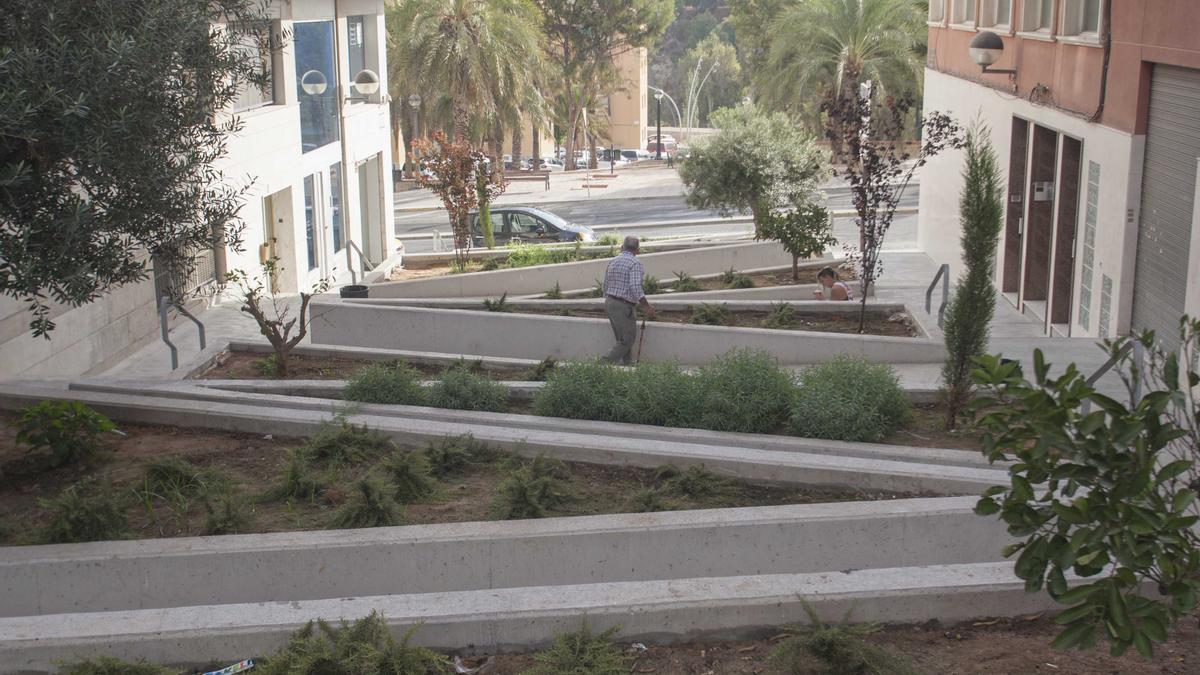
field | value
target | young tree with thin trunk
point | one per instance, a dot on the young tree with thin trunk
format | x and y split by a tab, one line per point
981	211
271	313
804	231
460	176
879	168
759	162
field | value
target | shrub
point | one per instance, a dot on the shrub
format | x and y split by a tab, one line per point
848	399
651	285
710	315
460	389
231	514
408	473
498	305
453	454
781	315
176	475
554	292
85	511
531	489
395	383
837	650
694	481
659	393
590	390
647	500
684	283
267	366
744	390
366	646
370	505
610	239
543	369
337	442
732	278
582	653
69	430
296	481
107	665
598	289
489	265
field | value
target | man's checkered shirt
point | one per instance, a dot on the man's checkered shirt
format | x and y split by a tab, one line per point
623	278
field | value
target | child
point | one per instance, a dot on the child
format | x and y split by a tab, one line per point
838	290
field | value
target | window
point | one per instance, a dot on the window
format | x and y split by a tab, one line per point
1081	18
937	11
964	12
255	41
1037	16
523	223
996	14
362	54
317	83
335	205
1089	245
309	221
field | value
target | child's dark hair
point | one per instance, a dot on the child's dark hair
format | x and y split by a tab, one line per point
827	272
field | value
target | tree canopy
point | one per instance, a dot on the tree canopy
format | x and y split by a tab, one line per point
109	137
758	162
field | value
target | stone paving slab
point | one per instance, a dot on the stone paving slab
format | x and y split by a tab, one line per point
523	618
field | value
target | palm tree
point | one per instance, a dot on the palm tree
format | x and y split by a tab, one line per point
828	47
476	51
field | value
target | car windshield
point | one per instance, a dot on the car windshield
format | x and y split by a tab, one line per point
550	218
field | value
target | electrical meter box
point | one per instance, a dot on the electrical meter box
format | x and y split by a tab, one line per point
1043	191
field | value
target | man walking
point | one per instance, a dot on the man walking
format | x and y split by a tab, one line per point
622	294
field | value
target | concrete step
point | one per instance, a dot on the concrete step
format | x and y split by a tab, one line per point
523	618
752	464
161	573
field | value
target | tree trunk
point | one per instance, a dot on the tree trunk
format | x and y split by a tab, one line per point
516	144
537	146
462	121
573	113
593	163
795	267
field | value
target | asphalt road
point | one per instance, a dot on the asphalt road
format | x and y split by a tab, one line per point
647	209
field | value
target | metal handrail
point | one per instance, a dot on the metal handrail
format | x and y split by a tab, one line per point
164	305
366	264
943	273
1137	348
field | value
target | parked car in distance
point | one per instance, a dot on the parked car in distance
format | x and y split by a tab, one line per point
551	163
530	225
629	154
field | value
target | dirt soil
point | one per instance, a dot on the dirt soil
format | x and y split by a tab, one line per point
247	465
898	325
250	366
778	278
927	429
1017	646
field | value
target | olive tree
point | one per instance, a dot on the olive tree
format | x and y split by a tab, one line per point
758	162
804	231
109	137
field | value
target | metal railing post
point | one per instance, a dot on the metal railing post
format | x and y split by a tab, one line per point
943	274
165	304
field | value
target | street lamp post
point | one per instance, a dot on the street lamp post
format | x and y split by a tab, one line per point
658	139
414	103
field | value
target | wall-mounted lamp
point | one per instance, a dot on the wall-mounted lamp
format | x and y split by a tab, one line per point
313	82
366	82
986	49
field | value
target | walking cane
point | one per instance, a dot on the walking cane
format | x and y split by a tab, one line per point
641	338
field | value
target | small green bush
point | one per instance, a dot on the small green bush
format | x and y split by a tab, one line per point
543	369
498	305
85	511
554	292
69	430
461	389
408	473
531	489
598	289
590	390
651	285
610	239
230	514
710	315
848	399
781	315
364	647
267	366
107	665
661	394
684	283
454	454
647	500
489	265
581	653
394	383
732	278
695	481
176	475
836	650
337	442
370	505
744	390
296	481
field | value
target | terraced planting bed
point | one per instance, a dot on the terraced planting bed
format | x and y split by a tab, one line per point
713	314
239	365
172	481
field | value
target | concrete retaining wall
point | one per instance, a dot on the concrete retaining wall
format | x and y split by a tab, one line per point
665	302
536	337
578	275
155	573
